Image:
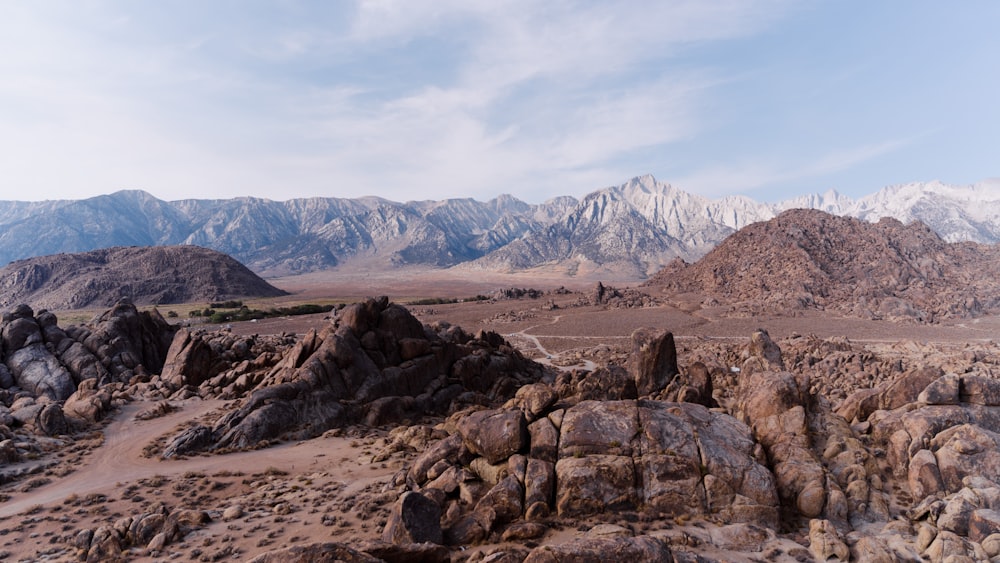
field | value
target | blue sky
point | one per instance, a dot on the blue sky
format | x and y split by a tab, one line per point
428	99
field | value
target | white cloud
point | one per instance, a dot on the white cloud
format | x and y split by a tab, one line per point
535	98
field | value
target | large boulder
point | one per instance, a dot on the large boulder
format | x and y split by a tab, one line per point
677	458
653	361
595	483
128	342
414	518
32	365
495	435
37	371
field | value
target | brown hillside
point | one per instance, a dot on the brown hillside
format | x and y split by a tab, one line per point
811	259
146	275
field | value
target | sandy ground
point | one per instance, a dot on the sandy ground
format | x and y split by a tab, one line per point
321	489
329	488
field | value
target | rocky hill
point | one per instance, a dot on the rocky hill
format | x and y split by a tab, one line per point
143	274
811	259
633	229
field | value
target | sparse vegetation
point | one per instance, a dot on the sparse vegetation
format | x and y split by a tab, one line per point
244	313
448	300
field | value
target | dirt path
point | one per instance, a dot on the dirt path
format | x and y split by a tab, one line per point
548	356
119	460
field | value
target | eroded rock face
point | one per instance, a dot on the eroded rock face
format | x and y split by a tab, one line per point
44	360
653	362
660	457
32	366
413	519
352	370
952	435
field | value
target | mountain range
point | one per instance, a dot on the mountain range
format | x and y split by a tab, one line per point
632	229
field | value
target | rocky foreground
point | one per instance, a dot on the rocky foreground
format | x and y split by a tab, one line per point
804	449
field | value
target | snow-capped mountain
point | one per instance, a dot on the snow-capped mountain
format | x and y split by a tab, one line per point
644	224
956	213
632	229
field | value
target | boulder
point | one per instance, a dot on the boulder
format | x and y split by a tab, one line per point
945	390
966	450
612	383
503	504
544	440
414	518
405	553
534	399
36	370
449	449
766	351
51	421
539	485
670	466
742	537
599	427
978	390
129	341
924	476
494	434
653	361
825	542
144	527
87	402
891	395
6	379
105	545
189	361
595	483
982	523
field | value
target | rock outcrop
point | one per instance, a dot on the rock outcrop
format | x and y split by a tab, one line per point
663	458
46	361
376	363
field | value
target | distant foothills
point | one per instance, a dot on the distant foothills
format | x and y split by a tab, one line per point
632	229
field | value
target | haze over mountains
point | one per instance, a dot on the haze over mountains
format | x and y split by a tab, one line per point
632	229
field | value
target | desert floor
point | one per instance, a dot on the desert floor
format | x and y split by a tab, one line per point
329	488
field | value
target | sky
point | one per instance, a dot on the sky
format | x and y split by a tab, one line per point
434	99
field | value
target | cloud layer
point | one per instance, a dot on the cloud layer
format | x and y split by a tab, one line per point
416	99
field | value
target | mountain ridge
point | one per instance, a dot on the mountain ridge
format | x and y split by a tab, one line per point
637	227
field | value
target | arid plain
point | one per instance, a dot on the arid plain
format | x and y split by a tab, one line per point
339	487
